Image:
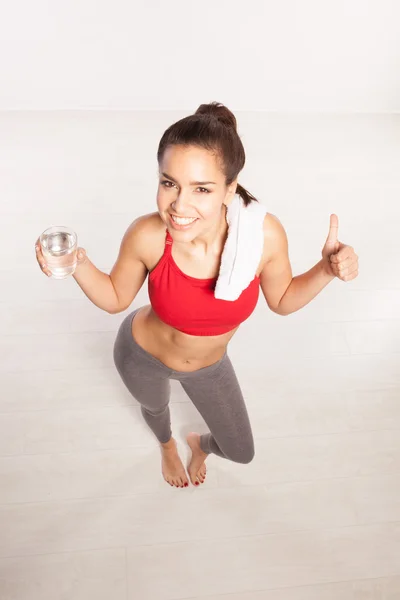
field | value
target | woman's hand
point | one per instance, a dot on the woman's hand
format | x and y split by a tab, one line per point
81	258
340	260
40	259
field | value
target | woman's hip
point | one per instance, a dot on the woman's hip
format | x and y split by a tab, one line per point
136	339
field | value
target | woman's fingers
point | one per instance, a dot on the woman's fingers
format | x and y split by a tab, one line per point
40	259
81	255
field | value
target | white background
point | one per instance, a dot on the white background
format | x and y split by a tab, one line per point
308	55
84	511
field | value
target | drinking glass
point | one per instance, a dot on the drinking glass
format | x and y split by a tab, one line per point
59	249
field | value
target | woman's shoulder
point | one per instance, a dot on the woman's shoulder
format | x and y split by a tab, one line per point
149	223
274	236
272	225
147	235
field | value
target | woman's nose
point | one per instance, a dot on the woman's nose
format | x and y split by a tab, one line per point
180	205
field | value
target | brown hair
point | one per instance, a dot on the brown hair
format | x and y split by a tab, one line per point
213	127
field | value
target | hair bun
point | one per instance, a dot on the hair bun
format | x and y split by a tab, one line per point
218	111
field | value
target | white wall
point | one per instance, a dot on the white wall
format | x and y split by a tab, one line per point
308	55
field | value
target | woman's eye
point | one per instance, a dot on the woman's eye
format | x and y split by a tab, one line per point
200	188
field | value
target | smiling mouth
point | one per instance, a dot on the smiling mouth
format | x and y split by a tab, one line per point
183	220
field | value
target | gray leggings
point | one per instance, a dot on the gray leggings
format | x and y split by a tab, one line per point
214	390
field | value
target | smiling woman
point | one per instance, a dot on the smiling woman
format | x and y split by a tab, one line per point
184	333
201	150
186	329
212	127
177	222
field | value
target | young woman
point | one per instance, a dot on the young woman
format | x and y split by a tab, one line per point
184	333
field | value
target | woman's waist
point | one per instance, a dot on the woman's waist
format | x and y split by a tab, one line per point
174	348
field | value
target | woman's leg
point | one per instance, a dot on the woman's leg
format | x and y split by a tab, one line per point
147	379
216	393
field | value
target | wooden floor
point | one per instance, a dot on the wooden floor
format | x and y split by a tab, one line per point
84	512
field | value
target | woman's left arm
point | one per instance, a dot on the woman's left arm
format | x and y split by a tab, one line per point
286	294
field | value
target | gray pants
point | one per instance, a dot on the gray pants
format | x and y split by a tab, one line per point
214	390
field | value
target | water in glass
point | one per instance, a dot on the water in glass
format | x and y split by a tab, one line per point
59	249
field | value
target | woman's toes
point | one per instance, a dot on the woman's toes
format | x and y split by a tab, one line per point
178	482
172	466
201	476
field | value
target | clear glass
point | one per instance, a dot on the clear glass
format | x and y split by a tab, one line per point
59	249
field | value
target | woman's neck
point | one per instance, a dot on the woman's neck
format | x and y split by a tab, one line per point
212	242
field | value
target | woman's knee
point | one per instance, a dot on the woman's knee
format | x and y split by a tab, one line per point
247	456
242	454
154	411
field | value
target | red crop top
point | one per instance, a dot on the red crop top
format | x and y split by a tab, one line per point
189	305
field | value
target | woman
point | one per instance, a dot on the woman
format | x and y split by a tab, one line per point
184	333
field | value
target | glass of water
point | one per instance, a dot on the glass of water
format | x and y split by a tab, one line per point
59	249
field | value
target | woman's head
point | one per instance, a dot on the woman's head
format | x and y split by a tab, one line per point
204	147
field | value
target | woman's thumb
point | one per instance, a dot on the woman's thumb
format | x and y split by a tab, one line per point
81	255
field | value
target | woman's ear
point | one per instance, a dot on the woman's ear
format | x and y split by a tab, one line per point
231	192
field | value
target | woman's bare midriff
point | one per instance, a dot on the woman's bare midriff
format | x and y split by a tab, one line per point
178	351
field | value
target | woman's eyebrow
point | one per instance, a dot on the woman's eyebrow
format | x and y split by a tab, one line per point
191	183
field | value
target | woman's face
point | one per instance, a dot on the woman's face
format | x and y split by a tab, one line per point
191	187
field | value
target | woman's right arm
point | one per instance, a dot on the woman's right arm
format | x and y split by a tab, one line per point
115	292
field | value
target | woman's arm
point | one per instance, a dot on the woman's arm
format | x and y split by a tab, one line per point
284	293
115	292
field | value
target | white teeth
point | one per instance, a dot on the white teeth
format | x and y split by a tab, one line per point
182	221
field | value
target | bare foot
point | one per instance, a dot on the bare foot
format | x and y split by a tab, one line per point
197	468
172	466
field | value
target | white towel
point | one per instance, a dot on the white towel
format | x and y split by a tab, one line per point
243	248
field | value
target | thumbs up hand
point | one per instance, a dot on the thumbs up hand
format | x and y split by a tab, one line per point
339	260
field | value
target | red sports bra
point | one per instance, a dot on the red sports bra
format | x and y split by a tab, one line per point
189	305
